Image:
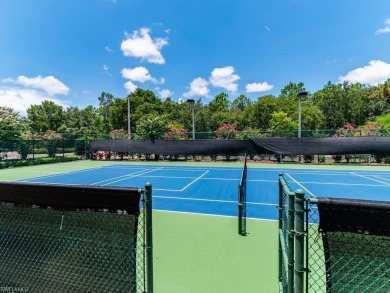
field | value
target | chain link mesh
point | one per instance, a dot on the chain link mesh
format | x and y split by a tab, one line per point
48	250
344	261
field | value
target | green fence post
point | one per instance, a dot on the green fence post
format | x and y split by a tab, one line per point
299	240
280	226
149	238
291	214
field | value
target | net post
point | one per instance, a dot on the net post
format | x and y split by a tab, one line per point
291	232
240	206
299	240
149	238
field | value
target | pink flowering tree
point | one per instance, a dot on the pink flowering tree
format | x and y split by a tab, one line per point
176	133
227	131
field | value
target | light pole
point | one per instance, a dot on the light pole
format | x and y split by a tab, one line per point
301	94
192	102
128	117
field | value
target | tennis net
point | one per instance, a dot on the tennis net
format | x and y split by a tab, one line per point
242	200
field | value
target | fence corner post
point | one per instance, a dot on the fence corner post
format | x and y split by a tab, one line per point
291	221
299	241
149	238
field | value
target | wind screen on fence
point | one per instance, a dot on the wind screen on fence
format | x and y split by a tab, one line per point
349	251
57	238
242	199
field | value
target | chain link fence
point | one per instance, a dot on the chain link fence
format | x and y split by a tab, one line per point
52	247
351	251
332	245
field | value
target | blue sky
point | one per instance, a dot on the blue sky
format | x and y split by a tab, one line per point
71	51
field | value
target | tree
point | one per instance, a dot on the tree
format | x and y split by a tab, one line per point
143	103
80	120
10	121
226	131
46	116
239	104
119	114
153	127
261	112
283	124
106	101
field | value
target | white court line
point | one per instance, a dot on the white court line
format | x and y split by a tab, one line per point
188	185
61	173
385	183
308	191
123	176
382	178
344	184
210	200
130	176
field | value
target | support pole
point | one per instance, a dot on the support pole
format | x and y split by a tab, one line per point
281	248
149	238
291	214
299	241
240	207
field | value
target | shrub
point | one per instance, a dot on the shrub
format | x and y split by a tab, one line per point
337	158
308	158
321	158
52	141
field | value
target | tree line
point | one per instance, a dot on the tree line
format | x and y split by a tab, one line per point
332	107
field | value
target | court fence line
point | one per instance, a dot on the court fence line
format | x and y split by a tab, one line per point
332	245
76	238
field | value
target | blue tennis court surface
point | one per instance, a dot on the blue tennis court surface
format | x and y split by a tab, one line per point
214	190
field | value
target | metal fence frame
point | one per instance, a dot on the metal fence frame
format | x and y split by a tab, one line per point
35	202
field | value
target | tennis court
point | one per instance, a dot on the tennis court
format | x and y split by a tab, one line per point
196	245
213	190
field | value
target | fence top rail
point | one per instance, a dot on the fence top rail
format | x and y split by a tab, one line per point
285	187
71	197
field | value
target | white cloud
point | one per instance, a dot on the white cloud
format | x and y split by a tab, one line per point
374	73
27	91
140	74
108	49
224	78
141	45
258	87
130	87
165	94
21	99
106	67
198	87
49	84
385	29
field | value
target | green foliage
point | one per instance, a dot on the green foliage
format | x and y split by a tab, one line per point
82	145
37	161
46	116
10	123
383	119
153	127
283	124
52	141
